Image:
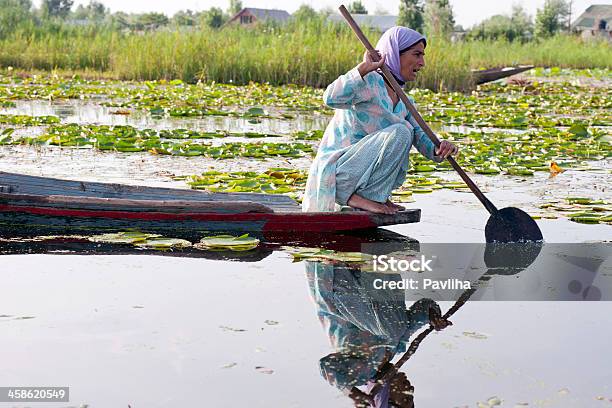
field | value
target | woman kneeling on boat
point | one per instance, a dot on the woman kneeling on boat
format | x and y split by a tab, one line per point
363	155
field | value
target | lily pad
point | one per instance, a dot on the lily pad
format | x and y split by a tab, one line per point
228	242
305	253
161	243
129	237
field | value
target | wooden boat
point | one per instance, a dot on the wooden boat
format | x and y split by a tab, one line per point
493	74
30	204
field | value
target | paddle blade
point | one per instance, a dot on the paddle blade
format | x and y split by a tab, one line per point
512	225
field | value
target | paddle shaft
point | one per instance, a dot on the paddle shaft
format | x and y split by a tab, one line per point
414	345
400	93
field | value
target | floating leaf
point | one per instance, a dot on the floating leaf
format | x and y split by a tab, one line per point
579	130
305	253
475	335
161	243
424	168
228	242
255	112
130	237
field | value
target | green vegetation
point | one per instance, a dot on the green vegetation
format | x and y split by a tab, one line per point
159	242
560	51
228	242
583	210
411	14
530	129
552	18
174	98
309	50
26	120
516	27
439	20
312	54
276	180
127	139
357	7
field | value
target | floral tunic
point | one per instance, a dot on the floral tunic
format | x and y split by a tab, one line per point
363	106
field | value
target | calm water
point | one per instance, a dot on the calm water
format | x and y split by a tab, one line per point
161	331
175	331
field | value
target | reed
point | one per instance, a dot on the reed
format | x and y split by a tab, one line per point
310	53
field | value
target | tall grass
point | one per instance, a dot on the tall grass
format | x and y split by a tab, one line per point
306	53
562	51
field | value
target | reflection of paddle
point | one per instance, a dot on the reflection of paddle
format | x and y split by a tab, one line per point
501	259
506	225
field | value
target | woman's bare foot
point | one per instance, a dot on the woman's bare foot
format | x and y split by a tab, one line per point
398	207
357	201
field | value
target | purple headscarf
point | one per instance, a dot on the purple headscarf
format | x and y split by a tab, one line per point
393	41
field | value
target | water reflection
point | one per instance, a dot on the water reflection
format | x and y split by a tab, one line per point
12	243
366	332
368	328
88	112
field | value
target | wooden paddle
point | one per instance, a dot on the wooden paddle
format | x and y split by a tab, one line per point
506	225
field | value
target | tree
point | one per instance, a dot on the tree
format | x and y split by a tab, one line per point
184	18
121	20
234	7
356	7
517	27
56	8
411	14
439	20
551	18
521	21
149	21
94	11
305	13
214	17
13	13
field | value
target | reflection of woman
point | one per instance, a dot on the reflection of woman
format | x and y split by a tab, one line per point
367	328
363	155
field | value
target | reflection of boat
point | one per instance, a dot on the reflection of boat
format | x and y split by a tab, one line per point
379	241
82	246
32	204
493	74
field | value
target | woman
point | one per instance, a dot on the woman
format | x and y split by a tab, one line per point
363	155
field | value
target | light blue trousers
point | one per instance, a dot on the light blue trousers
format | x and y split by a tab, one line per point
375	166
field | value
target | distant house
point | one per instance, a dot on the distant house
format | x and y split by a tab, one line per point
249	16
380	23
596	21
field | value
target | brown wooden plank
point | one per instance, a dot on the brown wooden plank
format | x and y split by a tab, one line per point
50	186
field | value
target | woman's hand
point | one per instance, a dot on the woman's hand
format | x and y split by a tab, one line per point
446	149
368	64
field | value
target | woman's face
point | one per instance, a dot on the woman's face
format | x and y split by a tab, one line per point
412	61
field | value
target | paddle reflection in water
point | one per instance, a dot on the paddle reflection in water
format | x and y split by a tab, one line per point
369	327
